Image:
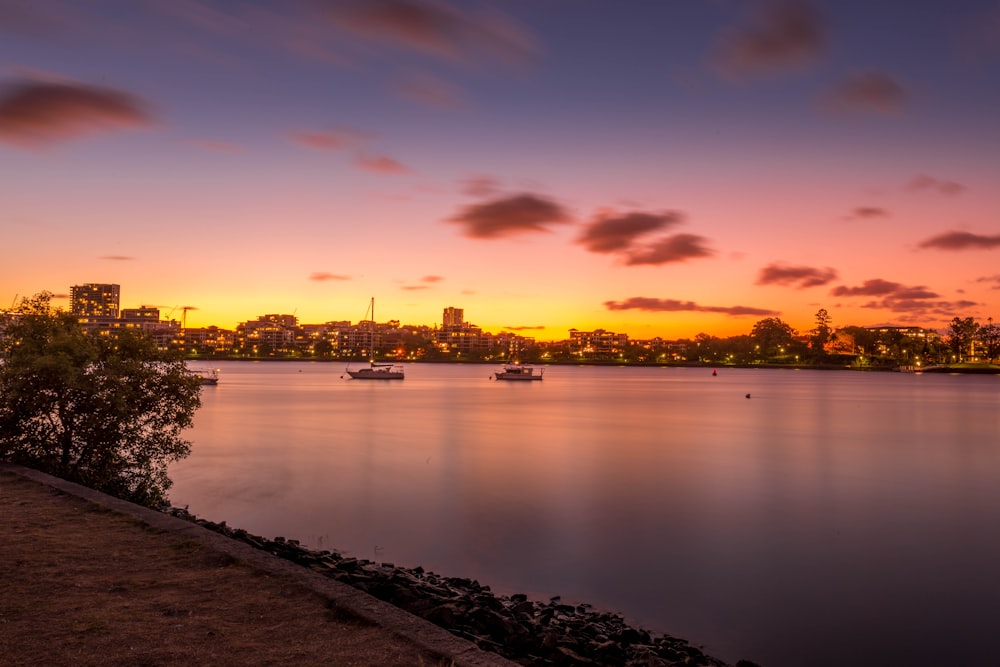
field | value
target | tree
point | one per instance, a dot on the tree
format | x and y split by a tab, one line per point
822	333
771	334
104	412
962	334
990	336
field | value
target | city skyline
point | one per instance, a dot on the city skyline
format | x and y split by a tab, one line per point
660	171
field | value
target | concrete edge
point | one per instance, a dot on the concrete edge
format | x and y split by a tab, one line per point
426	635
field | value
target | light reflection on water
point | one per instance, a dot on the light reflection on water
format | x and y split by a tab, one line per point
833	518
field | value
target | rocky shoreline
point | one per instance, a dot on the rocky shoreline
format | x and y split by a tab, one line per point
532	633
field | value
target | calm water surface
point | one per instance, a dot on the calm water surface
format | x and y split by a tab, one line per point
833	518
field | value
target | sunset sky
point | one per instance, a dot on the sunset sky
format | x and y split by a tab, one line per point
659	168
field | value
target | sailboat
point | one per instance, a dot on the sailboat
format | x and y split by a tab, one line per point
377	370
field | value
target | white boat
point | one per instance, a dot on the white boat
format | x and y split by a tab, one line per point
377	370
519	373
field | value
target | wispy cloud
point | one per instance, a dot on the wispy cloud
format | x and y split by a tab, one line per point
609	233
799	276
781	36
873	287
432	279
39	113
430	91
870	92
957	240
330	140
917	300
537	327
216	146
510	216
118	258
480	185
676	248
381	164
867	213
433	27
924	183
322	276
673	305
993	280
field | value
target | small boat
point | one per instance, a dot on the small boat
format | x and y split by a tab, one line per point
519	373
207	376
377	370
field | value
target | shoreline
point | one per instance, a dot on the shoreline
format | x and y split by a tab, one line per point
529	632
980	369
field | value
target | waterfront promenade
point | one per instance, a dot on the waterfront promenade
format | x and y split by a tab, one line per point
93	580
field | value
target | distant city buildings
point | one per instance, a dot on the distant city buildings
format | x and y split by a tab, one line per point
98	308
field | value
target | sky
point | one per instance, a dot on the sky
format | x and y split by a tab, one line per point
650	167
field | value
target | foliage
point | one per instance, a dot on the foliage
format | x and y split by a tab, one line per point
823	332
772	334
961	334
990	335
105	412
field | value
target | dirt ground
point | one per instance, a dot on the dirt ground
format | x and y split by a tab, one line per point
82	585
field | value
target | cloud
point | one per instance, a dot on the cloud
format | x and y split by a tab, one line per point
672	306
330	140
995	279
537	327
432	279
956	240
869	92
118	258
874	287
216	146
37	113
923	182
922	307
898	298
676	248
429	91
434	28
321	276
867	213
801	276
782	36
508	216
480	186
613	233
381	164
412	288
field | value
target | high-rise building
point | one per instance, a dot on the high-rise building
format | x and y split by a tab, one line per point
454	317
94	300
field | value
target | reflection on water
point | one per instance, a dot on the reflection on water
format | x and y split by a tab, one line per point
832	518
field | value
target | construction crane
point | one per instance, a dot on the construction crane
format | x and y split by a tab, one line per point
184	315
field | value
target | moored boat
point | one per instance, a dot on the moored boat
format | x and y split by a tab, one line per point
207	376
377	370
519	373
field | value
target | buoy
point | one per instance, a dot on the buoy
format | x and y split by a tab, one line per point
748	395
715	372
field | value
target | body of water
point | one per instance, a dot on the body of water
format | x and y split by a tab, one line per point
831	518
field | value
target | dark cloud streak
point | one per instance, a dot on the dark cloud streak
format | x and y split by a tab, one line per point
509	216
614	233
958	240
801	276
38	113
654	305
